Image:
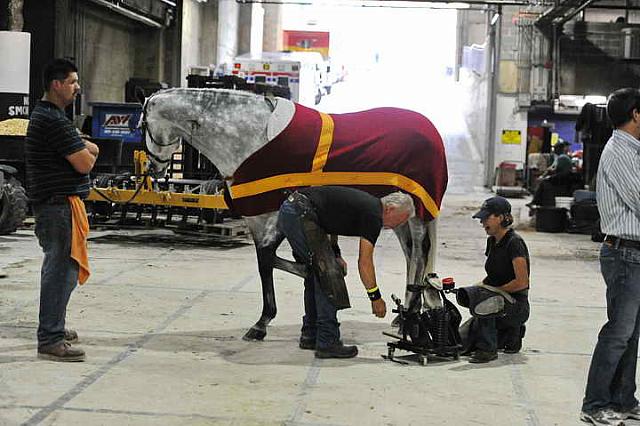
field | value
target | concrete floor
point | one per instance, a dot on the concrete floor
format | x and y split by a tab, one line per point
162	326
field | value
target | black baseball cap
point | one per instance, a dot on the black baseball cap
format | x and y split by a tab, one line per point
495	205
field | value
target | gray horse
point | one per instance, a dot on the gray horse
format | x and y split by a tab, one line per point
266	146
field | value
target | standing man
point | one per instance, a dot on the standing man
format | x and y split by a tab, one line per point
611	384
58	162
337	211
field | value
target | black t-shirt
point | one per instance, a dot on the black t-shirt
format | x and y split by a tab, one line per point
50	138
346	211
499	264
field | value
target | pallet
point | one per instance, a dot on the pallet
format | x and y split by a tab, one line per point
232	228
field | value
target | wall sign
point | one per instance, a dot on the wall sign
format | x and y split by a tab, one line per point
511	137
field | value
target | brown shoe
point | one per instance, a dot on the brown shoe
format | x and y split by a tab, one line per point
61	351
70	336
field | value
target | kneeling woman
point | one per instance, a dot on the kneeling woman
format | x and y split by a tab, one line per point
507	268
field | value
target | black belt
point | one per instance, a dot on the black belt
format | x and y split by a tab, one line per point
621	242
297	197
54	199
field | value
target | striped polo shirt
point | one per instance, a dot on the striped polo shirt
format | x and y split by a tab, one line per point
50	138
618	186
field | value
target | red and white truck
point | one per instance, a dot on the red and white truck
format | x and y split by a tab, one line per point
302	72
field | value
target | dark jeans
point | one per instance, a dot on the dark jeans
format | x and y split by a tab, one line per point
485	330
59	274
612	375
320	320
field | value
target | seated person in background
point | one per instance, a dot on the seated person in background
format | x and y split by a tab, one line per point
507	268
557	180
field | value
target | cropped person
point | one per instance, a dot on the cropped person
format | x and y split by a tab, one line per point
609	397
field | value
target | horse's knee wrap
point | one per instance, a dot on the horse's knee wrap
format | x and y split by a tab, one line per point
324	264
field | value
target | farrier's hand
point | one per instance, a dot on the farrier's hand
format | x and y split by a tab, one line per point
379	308
343	265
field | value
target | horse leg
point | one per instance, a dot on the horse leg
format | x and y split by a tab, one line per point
403	232
267	239
418	241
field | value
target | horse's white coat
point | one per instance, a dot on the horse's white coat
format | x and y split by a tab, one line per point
280	118
225	125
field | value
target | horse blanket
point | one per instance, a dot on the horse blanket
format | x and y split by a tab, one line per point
379	151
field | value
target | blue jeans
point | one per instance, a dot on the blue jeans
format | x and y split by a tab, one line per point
612	375
59	274
320	320
485	332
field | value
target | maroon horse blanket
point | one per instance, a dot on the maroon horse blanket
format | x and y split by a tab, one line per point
379	151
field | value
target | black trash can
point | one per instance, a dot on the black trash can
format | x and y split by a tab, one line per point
551	219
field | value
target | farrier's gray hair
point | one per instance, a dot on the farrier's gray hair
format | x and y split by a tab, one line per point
401	201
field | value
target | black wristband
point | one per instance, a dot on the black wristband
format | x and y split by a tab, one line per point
374	293
336	250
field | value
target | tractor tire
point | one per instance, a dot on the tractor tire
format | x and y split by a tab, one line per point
13	206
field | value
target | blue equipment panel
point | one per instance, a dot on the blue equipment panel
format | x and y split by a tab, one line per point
116	121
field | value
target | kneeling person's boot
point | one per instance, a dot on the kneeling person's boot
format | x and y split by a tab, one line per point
513	344
337	350
61	351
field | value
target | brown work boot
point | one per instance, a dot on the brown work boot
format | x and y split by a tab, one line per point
70	336
61	351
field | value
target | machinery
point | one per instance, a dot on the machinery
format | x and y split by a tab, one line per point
13	201
137	199
14	110
424	331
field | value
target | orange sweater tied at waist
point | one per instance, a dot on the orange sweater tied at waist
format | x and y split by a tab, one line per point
79	234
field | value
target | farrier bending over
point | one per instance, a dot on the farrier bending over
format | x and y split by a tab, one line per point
508	269
337	211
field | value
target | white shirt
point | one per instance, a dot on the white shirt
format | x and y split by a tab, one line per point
618	186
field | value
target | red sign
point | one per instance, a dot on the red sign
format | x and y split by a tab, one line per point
307	41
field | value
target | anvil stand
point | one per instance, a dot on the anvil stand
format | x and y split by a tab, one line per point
417	337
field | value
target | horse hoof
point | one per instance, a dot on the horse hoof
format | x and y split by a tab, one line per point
254	334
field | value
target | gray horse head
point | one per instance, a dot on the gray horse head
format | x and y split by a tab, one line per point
226	126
